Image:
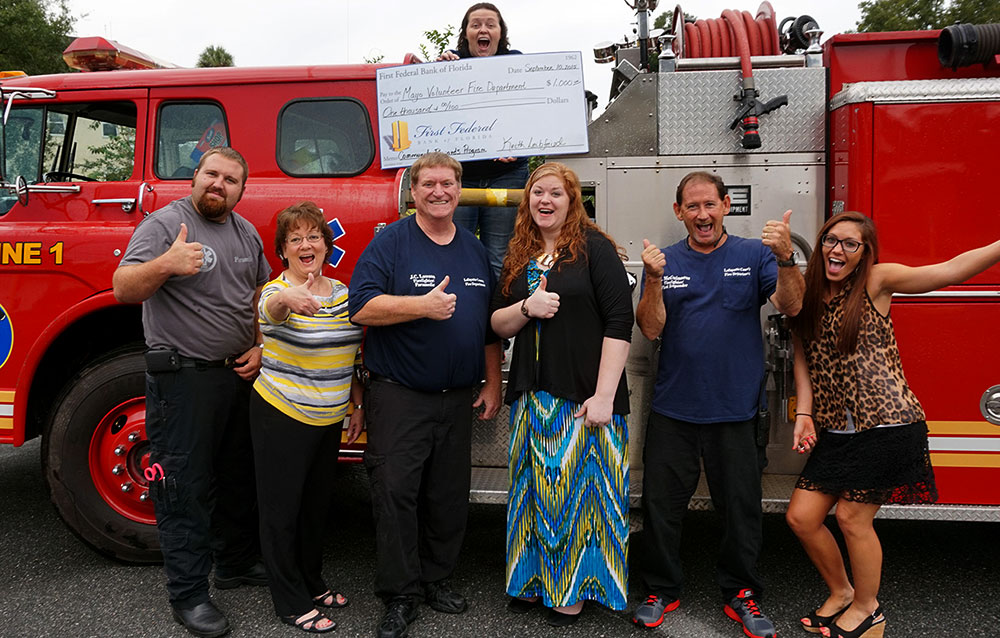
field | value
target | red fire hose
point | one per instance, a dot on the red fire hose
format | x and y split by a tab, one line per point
739	33
734	33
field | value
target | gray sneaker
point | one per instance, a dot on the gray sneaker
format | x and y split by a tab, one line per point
650	613
745	610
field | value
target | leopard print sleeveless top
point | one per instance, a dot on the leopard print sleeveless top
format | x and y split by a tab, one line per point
869	382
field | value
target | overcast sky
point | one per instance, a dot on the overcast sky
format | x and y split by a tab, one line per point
292	32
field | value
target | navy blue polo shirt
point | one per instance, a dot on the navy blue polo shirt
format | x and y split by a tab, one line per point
425	354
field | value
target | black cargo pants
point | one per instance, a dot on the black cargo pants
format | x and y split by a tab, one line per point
198	428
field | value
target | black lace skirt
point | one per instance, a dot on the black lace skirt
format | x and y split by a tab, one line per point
888	465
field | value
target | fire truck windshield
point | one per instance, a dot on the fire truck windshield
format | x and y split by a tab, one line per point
67	142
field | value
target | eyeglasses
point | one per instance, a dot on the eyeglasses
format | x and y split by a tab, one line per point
849	245
312	239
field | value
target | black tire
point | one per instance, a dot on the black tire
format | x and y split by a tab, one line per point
66	458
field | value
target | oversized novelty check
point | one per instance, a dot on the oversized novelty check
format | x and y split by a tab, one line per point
483	108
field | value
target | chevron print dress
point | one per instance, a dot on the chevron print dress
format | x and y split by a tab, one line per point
567	512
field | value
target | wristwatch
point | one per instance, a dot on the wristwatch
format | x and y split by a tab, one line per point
785	263
524	308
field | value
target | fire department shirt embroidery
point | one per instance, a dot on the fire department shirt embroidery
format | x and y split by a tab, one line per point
675	281
425	354
209	260
423	281
711	361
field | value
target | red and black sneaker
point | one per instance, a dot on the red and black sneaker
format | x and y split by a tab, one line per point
650	613
745	610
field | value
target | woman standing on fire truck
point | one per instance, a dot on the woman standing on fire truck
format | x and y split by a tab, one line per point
297	411
872	446
483	34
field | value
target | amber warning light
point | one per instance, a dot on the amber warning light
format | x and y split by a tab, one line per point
101	54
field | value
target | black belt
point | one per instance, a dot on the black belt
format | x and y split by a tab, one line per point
188	362
384	379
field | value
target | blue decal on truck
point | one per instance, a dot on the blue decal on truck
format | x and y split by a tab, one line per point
6	336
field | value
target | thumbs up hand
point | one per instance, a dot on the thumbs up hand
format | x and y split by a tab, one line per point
300	299
440	305
184	258
542	304
778	236
653	260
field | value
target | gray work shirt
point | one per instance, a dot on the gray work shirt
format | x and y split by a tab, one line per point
208	315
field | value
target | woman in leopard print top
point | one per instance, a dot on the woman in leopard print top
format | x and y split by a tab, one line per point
851	391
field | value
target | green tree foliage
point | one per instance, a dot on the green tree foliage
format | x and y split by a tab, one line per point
900	15
907	15
663	21
112	161
33	35
438	41
974	12
431	50
215	56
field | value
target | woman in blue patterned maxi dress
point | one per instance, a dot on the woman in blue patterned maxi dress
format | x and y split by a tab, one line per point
564	293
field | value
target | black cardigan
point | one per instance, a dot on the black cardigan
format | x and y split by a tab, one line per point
595	301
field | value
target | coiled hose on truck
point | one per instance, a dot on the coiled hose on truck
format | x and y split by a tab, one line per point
737	33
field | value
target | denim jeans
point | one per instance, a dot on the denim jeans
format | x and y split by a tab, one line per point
495	225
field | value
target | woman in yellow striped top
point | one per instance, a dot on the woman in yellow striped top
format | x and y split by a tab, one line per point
297	412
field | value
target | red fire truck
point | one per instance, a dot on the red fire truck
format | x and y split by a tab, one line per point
899	126
88	155
870	122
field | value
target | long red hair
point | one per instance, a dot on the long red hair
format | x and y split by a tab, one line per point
526	242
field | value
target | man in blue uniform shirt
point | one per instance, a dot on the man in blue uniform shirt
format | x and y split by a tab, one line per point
423	288
703	296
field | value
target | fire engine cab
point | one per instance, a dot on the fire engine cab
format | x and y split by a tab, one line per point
85	157
869	122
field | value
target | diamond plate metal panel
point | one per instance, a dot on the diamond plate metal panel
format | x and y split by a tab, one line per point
777	489
489	485
899	91
491	439
628	126
963	513
696	109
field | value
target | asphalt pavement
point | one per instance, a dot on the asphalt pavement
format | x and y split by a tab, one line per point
941	579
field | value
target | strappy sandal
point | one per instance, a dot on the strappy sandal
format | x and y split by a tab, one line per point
330	599
871	627
310	623
817	622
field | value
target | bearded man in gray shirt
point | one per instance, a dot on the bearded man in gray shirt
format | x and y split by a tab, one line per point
198	269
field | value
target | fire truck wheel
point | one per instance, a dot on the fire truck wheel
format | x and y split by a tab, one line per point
94	452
